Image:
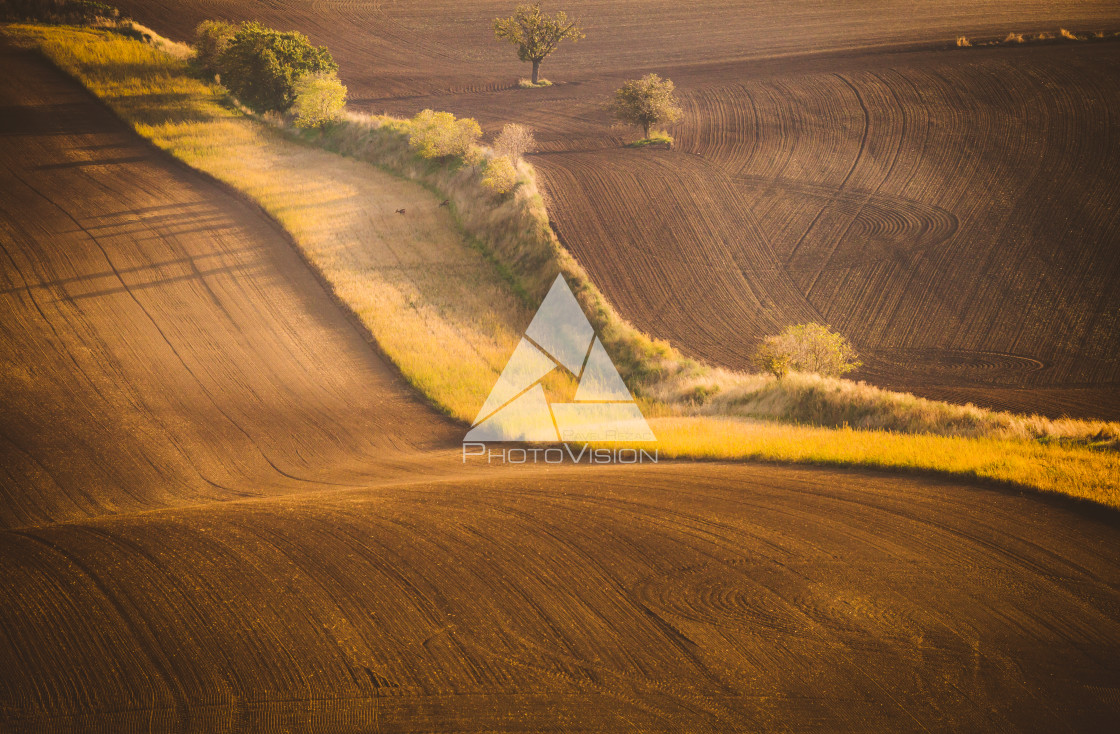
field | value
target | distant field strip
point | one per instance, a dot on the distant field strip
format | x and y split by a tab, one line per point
943	205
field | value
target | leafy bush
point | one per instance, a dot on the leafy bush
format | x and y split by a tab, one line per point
320	98
211	38
260	65
500	176
439	134
807	348
514	141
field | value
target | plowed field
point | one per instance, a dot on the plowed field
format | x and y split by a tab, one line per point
222	512
953	211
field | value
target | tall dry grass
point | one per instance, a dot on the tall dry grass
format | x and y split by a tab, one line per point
513	231
1083	473
827	401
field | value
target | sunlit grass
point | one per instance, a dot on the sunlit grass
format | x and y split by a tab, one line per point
832	402
1077	472
656	137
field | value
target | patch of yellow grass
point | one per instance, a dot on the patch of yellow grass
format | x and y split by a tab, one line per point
829	401
1083	473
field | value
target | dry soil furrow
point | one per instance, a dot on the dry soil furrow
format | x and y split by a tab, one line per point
702	597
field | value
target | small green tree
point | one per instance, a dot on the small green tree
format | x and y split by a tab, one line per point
320	98
535	33
807	348
647	101
260	65
211	38
439	134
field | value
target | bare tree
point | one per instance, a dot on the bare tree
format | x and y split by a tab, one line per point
514	141
535	33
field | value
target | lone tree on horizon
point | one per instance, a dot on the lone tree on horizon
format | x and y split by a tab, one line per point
536	33
647	101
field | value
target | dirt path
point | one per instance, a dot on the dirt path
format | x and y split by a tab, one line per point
224	512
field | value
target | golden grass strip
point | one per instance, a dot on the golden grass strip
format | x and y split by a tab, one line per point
1087	474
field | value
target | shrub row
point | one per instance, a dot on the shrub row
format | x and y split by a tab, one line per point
267	69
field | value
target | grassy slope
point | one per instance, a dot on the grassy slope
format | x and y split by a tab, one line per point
425	297
438	307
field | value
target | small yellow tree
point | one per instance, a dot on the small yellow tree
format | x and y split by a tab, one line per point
807	348
320	98
772	360
500	176
439	134
514	141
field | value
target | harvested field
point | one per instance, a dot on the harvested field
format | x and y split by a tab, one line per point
679	598
222	512
849	197
406	47
953	211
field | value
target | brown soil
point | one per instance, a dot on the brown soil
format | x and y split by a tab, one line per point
223	512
